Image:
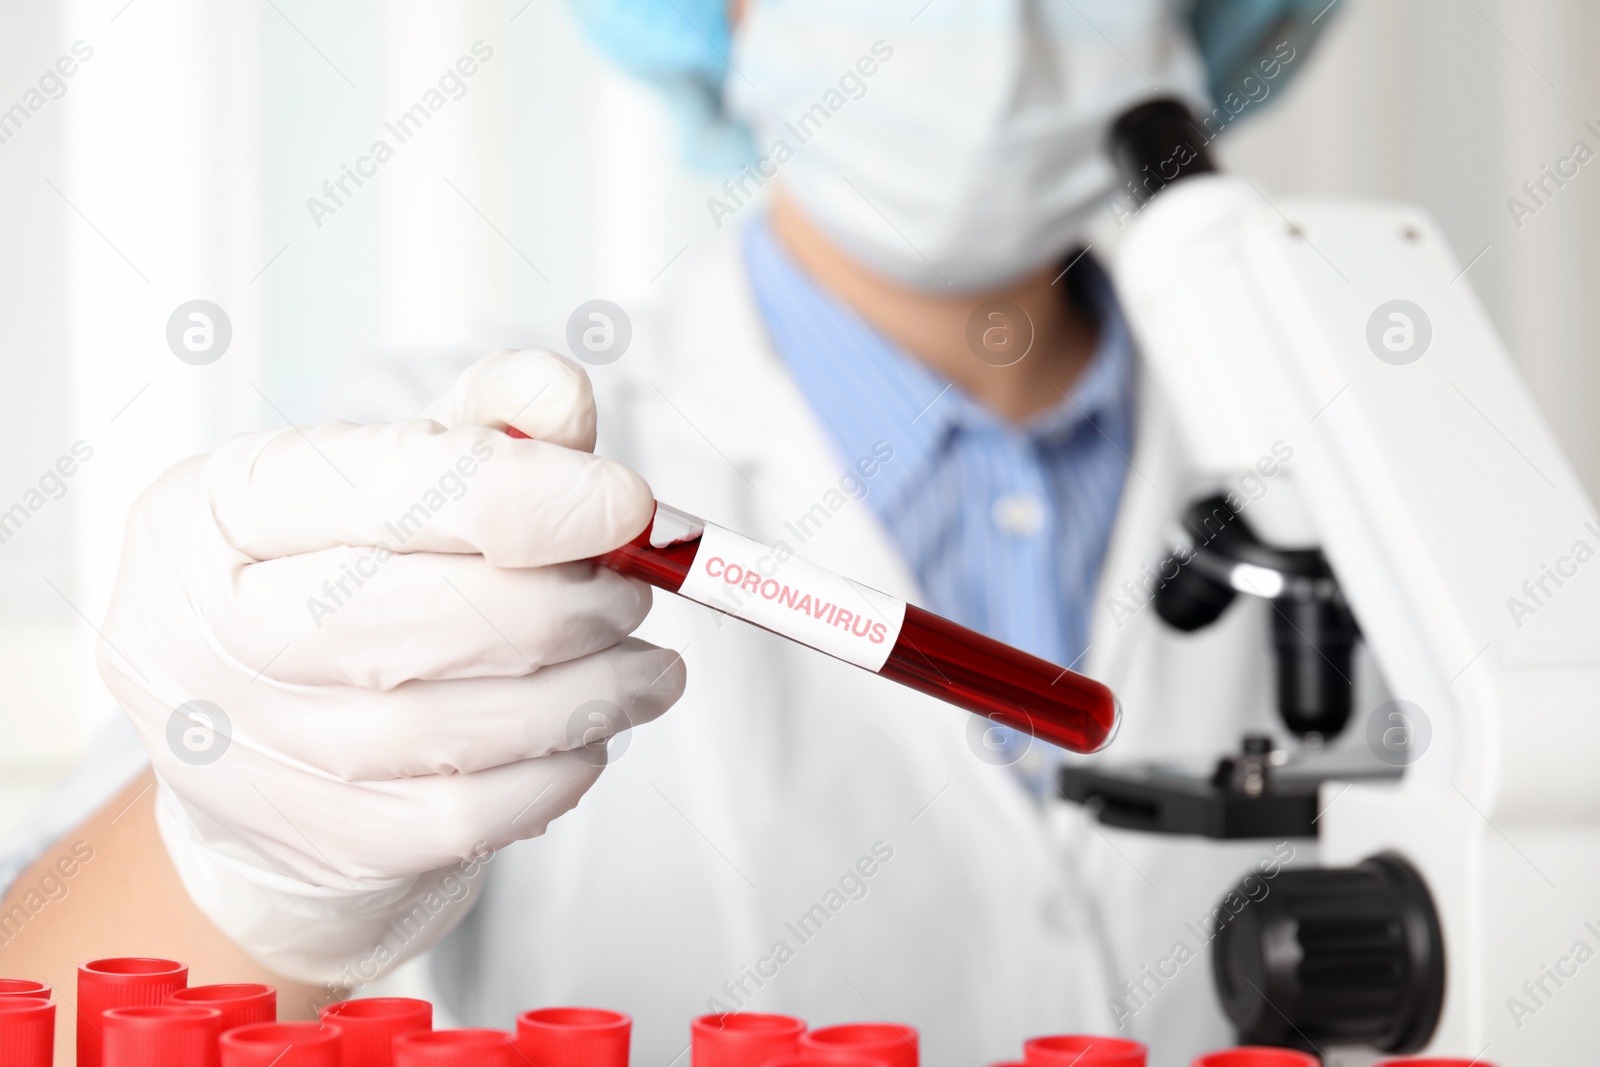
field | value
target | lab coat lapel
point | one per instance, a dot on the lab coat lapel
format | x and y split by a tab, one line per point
774	461
1151	498
763	461
792	763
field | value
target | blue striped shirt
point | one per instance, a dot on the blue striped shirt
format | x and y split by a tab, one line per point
1004	526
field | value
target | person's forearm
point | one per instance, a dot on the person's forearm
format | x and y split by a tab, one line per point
108	889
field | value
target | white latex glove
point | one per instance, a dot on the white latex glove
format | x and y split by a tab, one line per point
391	619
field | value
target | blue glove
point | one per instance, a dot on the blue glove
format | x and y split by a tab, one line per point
680	48
1235	35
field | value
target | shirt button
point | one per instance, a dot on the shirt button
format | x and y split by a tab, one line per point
1019	514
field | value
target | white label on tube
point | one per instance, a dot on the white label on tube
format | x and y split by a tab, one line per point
799	600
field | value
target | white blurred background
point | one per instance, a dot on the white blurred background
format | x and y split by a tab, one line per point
178	161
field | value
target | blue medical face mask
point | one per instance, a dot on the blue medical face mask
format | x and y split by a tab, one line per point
682	48
964	149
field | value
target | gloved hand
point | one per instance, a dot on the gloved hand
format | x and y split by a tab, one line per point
406	657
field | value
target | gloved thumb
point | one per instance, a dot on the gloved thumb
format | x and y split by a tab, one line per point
545	396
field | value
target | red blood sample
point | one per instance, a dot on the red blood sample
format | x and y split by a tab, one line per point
888	1044
23	987
931	654
241	1003
165	1035
743	1039
27	1031
120	982
935	656
281	1045
574	1037
1084	1050
371	1025
456	1048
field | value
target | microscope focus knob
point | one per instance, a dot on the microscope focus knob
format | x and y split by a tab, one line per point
1337	956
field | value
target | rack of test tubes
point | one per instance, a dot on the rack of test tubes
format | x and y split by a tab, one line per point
142	1012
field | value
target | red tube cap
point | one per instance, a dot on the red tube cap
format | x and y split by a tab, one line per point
371	1025
574	1037
27	1031
891	1044
456	1048
743	1039
1257	1056
807	1059
120	982
241	1003
166	1035
24	987
1085	1050
281	1045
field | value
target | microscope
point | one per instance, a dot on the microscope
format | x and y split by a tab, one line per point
1428	514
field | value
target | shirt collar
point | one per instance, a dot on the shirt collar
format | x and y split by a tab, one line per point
864	389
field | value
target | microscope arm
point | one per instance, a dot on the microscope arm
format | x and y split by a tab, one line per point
1459	534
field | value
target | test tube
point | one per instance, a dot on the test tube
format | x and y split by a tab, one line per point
1257	1056
743	1039
371	1025
24	987
274	1044
574	1037
165	1035
811	1059
457	1048
1082	1050
806	603
887	1044
120	982
241	1003
27	1031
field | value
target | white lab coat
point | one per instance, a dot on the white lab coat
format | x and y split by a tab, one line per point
985	917
720	825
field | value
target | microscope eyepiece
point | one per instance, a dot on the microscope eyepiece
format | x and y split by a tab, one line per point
1156	143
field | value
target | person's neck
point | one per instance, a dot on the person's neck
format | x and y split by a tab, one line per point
932	327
